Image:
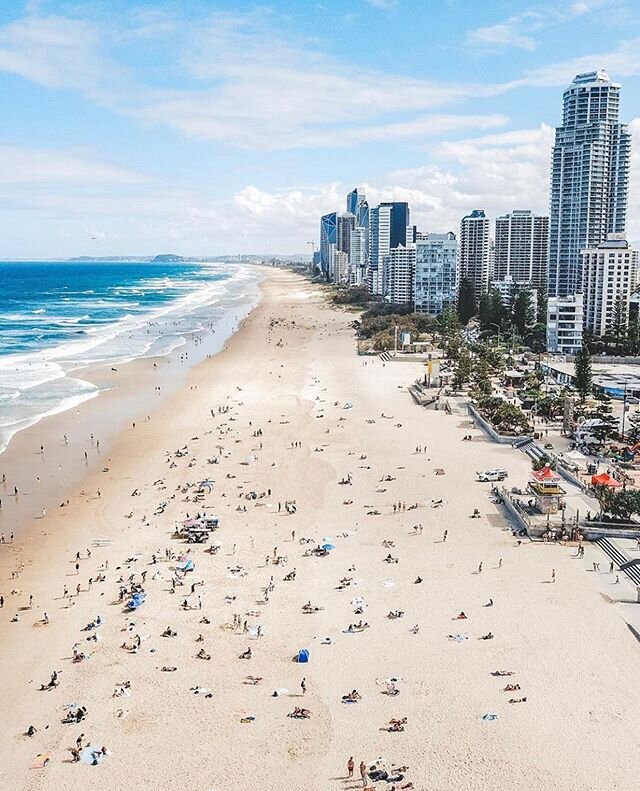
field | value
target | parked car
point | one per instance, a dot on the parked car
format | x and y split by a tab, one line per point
492	475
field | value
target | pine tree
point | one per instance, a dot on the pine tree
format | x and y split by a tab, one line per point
466	301
632	345
618	326
463	369
584	381
522	312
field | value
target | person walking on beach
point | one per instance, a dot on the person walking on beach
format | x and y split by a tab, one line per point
303	686
363	768
350	767
553	575
444	536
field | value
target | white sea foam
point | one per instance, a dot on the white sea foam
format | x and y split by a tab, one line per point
40	383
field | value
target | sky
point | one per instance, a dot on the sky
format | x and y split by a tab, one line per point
210	127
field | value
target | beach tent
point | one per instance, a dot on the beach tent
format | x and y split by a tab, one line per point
604	479
188	566
545	475
302	656
135	601
91	755
576	457
328	546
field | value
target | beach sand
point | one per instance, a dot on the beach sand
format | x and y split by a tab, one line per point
290	372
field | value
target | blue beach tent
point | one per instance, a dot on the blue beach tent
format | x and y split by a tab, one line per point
303	655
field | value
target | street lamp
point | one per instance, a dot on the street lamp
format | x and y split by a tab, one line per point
497	326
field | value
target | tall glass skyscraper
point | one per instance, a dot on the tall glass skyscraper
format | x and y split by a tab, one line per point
589	178
328	237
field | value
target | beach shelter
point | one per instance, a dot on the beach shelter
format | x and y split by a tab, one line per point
135	601
328	546
302	656
188	566
545	475
604	479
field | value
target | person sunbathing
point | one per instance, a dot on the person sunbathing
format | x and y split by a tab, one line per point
511	688
517	700
169	632
460	617
487	636
503	673
397	726
202	655
246	654
390	559
352	697
395	614
300	713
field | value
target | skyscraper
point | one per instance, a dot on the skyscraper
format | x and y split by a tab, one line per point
353	200
610	278
328	237
399	268
474	251
521	248
345	224
435	272
387	229
589	177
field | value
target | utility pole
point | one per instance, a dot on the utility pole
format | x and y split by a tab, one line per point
395	340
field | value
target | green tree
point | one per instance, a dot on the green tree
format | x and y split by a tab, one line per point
632	345
542	305
522	312
463	369
491	312
584	379
466	301
618	325
481	386
633	428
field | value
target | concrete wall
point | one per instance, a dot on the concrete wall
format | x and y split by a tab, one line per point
489	429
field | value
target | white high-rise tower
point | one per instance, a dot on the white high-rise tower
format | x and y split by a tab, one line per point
589	178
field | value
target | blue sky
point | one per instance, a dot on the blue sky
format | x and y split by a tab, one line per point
205	127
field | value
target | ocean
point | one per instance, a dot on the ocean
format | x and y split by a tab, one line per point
57	317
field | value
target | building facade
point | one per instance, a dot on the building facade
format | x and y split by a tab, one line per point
564	324
399	269
358	256
610	277
435	279
589	178
474	251
328	237
522	247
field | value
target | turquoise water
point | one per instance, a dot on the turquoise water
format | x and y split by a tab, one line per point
56	317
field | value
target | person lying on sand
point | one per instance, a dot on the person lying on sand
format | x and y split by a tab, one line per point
396	726
352	697
517	700
511	688
203	655
460	617
300	714
487	636
246	654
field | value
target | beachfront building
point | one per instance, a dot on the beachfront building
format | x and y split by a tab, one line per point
357	256
564	324
399	268
340	267
474	251
610	276
589	177
345	224
521	248
328	237
435	279
387	229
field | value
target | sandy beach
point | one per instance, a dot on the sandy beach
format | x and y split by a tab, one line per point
313	446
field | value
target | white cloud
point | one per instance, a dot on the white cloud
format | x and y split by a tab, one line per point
513	32
55	51
20	165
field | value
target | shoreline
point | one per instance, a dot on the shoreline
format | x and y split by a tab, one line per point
123	396
290	411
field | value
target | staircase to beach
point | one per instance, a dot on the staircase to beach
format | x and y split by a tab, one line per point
629	566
